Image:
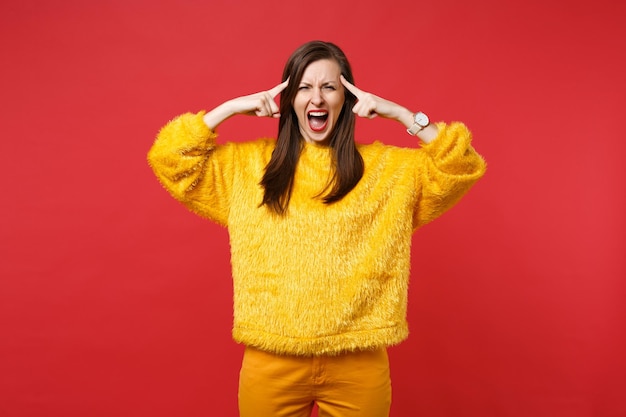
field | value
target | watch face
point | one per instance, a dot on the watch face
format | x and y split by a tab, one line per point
421	119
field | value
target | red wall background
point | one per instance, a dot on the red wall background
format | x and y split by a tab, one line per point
116	301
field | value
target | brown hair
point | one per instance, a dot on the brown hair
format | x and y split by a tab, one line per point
347	163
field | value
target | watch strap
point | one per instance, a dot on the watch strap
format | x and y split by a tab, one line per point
417	127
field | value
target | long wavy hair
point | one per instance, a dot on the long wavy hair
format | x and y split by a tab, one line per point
347	163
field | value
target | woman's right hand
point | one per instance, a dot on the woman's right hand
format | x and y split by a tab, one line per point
260	104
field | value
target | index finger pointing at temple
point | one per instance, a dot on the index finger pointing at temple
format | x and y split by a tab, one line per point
351	88
280	87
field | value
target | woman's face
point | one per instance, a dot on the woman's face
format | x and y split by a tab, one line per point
319	100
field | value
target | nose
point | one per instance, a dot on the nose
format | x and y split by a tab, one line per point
317	98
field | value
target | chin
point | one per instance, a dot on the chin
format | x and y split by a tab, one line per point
323	136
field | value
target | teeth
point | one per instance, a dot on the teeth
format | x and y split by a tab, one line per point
317	113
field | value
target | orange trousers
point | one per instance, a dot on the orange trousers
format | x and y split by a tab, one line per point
347	385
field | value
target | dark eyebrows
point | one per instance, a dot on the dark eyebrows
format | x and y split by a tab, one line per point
324	84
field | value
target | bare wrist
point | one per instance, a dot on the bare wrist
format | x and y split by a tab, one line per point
406	117
216	116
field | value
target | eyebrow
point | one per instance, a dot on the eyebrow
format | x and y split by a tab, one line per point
324	83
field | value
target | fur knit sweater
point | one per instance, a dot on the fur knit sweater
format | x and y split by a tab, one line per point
322	279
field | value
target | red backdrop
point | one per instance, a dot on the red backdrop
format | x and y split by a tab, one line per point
116	301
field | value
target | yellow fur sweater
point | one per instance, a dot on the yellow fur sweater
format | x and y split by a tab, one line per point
322	279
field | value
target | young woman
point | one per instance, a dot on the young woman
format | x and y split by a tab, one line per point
320	230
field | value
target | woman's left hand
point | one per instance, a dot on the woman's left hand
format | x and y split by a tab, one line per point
370	105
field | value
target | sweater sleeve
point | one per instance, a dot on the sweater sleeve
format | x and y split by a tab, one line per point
192	168
449	168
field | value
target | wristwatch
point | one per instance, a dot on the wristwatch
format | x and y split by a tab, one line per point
420	121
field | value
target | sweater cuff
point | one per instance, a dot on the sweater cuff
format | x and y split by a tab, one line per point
450	136
197	127
189	134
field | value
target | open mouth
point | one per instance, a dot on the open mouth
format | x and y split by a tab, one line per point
317	119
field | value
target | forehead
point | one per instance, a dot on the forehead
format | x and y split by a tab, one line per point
325	69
